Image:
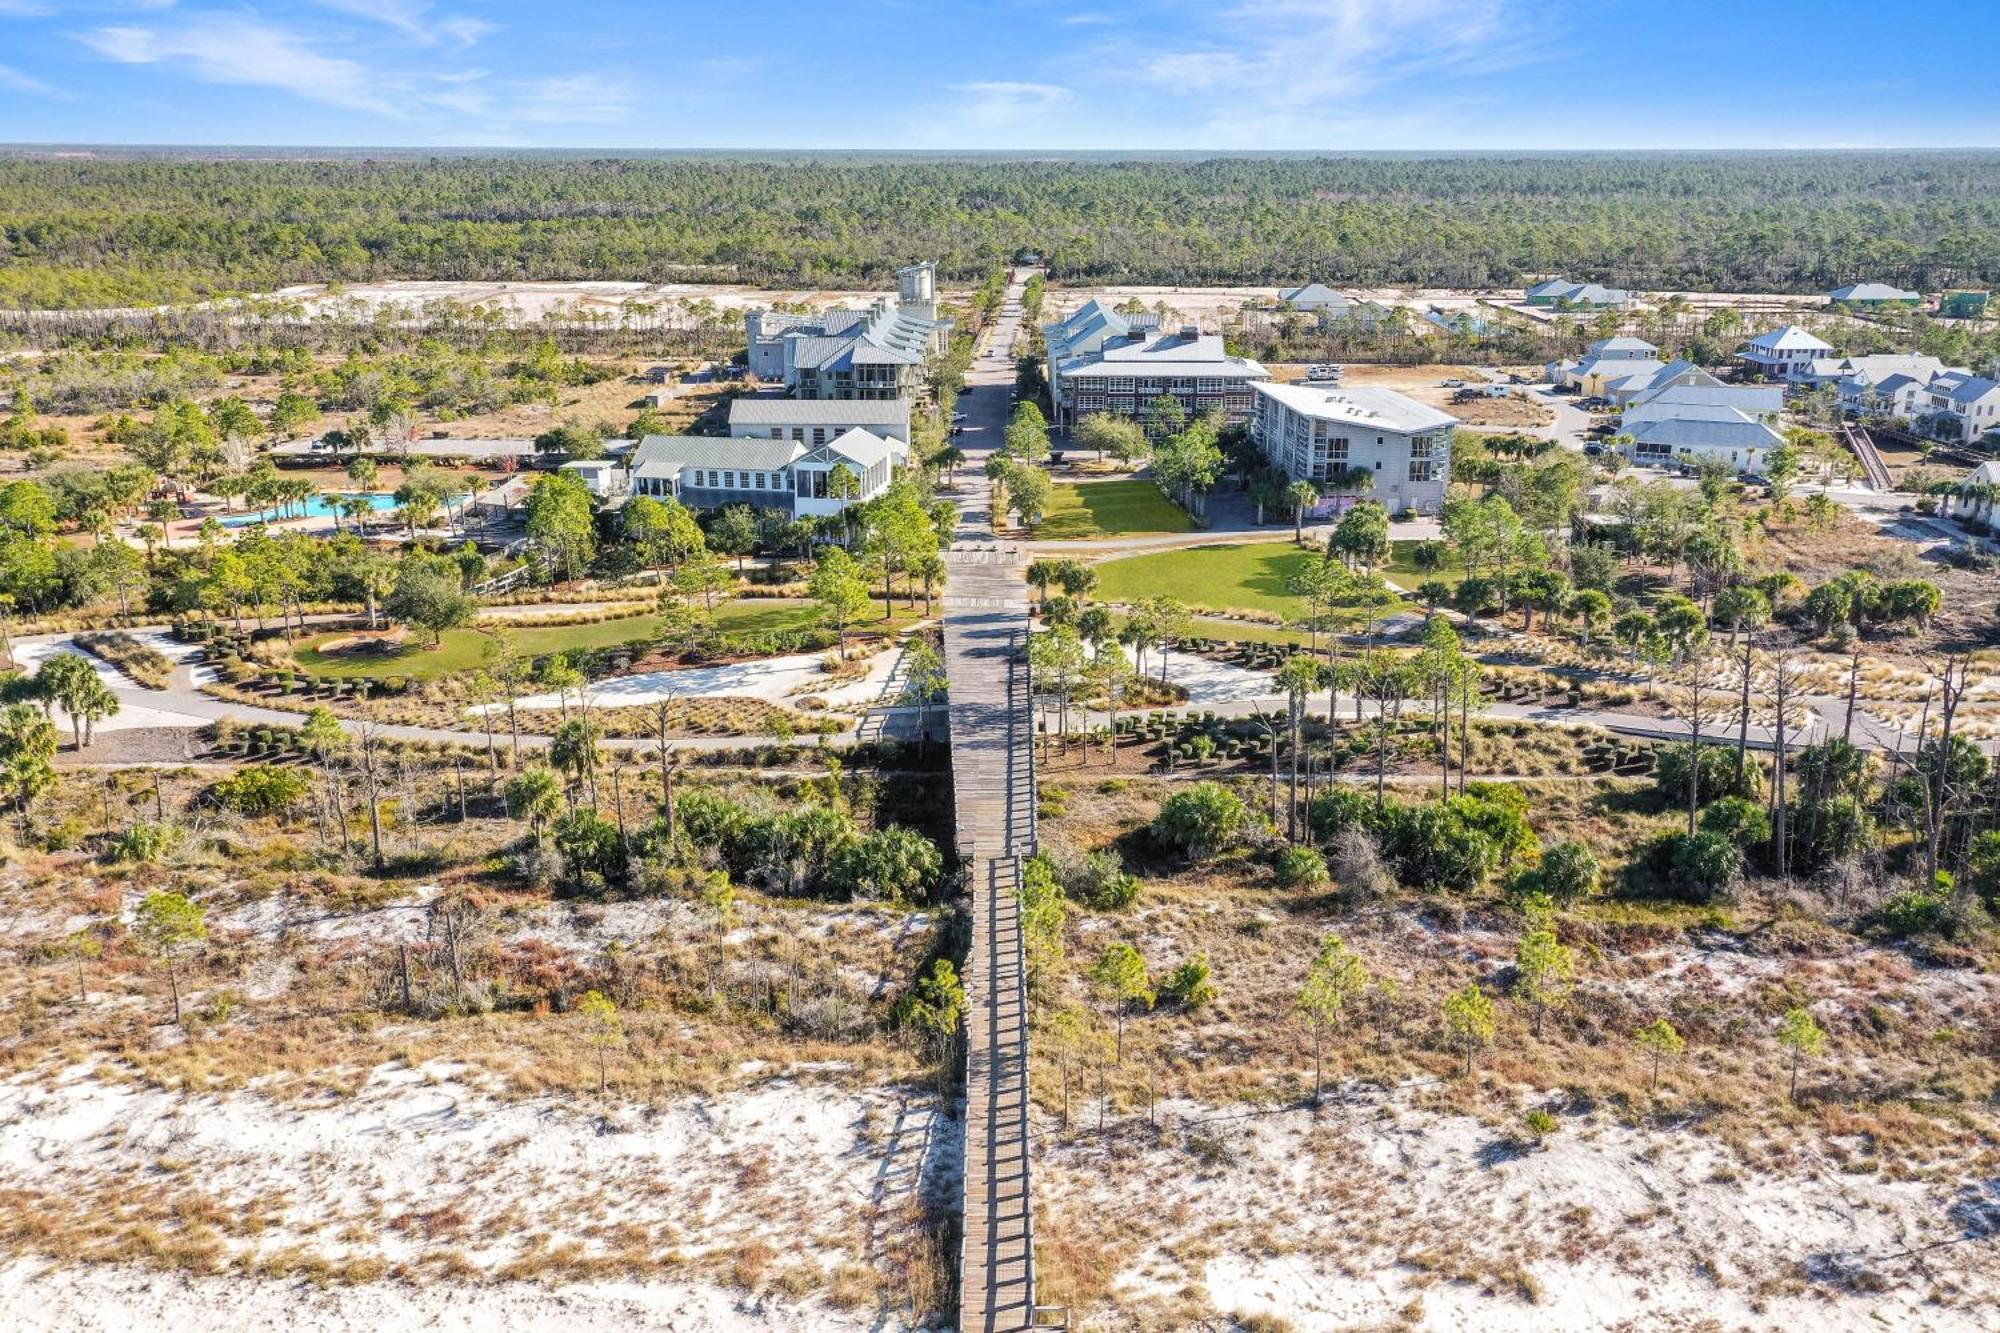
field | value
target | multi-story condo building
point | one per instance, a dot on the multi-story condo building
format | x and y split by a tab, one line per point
1101	361
1317	434
873	353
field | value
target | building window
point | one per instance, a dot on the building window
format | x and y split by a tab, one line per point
1121	384
777	432
819	435
759	479
1422	469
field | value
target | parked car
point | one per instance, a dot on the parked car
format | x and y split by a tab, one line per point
1593	449
1451	384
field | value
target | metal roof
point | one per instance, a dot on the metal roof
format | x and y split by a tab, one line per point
666	455
760	411
1790	338
1368	407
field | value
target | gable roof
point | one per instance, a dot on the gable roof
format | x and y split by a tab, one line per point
1871	291
1790	338
1733	431
1317	292
1751	399
666	455
1622	343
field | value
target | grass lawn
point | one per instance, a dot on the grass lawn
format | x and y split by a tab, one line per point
469	649
1110	509
1403	572
1252	576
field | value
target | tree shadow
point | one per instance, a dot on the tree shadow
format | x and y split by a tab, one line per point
1499	1152
1975	1209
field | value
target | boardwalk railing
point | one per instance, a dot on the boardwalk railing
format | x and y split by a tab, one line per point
993	773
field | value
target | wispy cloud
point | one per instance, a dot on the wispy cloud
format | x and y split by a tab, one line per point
1276	68
471	103
414	19
577	99
15	81
233	49
1003	99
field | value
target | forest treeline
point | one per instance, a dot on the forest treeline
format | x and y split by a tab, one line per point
91	232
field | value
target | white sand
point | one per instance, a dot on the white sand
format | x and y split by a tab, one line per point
1379	1209
789	1164
778	680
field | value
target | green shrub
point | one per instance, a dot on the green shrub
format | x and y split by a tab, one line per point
1698	868
1302	868
1200	821
1190	985
145	842
1912	912
261	790
1099	880
1745	822
1569	871
1716	766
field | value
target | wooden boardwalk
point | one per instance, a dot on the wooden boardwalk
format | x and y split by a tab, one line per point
993	785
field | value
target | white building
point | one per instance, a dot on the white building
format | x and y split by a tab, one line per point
707	472
1101	361
1698	434
1960	406
1786	354
875	352
1975	505
1314	433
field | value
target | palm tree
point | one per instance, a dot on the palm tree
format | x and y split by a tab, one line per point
536	796
1301	496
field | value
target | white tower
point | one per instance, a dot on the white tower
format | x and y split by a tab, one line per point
916	289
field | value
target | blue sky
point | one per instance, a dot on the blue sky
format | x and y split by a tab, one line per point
1241	74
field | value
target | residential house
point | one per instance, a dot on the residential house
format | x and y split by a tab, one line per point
1560	293
817	420
1603	350
1866	294
1697	434
1841	370
1959	406
707	472
1622	380
874	353
1315	433
1786	354
1334	307
1314	296
1101	362
1977	501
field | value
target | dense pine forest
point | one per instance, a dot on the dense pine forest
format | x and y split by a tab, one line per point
108	229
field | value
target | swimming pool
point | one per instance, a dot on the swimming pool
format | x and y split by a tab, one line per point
317	507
